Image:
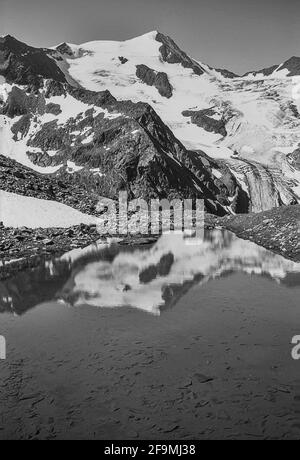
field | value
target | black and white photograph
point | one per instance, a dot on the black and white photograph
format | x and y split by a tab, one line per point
149	223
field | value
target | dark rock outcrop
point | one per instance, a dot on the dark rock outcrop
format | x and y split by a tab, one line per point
99	98
53	108
227	73
20	103
294	159
292	65
64	48
266	72
203	119
123	60
172	54
152	78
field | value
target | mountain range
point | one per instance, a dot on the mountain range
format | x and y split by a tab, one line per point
144	116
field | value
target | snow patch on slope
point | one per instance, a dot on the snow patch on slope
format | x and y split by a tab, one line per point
16	149
23	211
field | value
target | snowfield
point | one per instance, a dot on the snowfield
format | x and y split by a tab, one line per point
23	211
96	66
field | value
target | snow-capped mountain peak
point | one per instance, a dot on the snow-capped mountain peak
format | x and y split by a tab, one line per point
244	131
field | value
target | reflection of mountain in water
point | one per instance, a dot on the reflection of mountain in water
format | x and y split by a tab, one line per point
156	277
147	278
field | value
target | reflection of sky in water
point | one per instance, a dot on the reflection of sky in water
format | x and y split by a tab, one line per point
146	277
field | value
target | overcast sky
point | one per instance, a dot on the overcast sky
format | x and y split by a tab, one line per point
236	34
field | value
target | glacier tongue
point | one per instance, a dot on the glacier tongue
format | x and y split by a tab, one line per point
266	187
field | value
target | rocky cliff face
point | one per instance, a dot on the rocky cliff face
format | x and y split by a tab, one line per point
68	189
291	68
172	54
110	146
25	65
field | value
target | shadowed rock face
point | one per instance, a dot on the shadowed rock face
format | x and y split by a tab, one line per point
54	109
64	48
99	99
172	54
20	103
267	71
226	73
153	78
123	60
294	158
293	66
25	65
16	178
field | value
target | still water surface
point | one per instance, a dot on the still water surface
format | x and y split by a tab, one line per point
162	341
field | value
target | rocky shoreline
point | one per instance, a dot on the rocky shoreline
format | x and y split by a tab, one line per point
21	248
277	229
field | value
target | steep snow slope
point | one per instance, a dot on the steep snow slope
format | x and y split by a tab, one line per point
23	211
97	66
